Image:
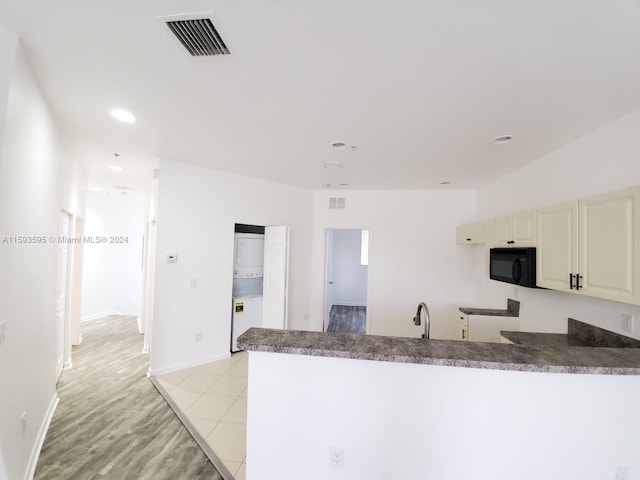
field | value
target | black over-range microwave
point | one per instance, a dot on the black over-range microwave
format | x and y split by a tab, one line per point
513	265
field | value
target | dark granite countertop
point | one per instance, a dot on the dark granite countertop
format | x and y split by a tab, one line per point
579	334
512	310
532	358
549	339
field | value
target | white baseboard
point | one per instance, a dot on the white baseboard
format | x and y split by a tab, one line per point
88	318
42	433
175	368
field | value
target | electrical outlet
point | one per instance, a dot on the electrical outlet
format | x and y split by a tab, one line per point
622	473
336	457
198	337
626	322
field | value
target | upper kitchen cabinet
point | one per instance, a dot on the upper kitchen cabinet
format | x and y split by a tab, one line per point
608	229
472	233
588	247
515	230
557	249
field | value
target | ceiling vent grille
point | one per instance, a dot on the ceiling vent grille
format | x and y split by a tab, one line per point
336	202
199	37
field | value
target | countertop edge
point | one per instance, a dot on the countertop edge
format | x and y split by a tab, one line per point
542	358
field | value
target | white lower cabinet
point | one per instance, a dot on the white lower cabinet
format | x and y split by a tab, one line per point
485	328
589	247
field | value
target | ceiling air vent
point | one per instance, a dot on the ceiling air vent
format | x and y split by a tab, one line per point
199	37
336	202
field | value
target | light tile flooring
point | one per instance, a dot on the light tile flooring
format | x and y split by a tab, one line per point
214	399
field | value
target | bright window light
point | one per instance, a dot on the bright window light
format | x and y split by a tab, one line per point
364	248
123	115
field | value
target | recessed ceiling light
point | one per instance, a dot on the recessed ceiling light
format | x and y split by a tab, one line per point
116	168
354	147
445	183
96	189
344	184
123	115
338	145
502	139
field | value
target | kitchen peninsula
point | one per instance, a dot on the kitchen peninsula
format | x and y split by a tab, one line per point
411	408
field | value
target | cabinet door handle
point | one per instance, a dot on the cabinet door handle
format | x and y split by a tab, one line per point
578	284
511	242
463	335
468	239
571	281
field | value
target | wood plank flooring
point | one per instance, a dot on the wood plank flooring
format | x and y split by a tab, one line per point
111	423
347	319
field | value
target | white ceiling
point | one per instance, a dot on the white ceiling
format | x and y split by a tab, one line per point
420	86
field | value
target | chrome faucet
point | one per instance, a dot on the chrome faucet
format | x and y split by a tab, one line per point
417	320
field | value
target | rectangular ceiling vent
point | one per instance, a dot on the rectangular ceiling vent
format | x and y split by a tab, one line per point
336	202
199	37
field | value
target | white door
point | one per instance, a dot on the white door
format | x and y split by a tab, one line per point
328	288
276	277
61	297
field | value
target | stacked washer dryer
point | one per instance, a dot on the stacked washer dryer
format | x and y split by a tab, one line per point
248	271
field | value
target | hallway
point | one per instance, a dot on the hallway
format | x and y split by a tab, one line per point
111	423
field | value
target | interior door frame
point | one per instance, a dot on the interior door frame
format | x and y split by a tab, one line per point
66	318
325	279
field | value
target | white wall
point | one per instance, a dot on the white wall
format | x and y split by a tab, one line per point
38	178
8	42
416	422
348	275
412	256
605	160
112	272
197	211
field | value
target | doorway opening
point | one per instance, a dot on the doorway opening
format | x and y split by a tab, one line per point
346	280
260	279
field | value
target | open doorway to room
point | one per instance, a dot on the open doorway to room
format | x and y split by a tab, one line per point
346	280
260	278
112	275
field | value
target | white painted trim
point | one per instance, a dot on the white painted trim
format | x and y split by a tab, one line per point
145	350
67	365
88	318
182	366
42	433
